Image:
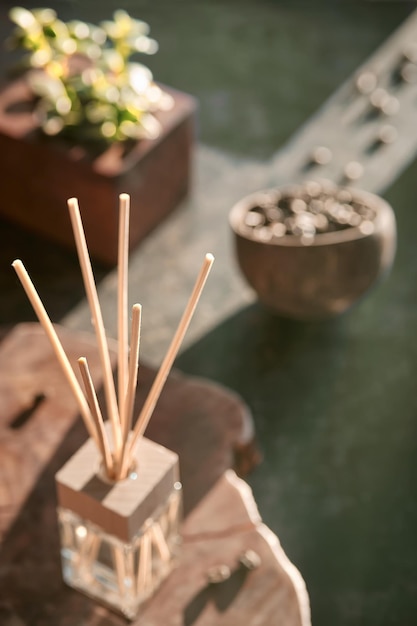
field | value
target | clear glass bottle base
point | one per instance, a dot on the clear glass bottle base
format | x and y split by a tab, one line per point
120	575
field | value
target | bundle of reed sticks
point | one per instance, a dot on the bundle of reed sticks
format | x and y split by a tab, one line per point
117	457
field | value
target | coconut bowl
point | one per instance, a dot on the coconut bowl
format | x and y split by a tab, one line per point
305	275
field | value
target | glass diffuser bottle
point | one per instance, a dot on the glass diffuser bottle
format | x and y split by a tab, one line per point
119	539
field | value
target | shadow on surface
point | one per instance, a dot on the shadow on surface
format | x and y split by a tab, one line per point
222	594
254	344
54	270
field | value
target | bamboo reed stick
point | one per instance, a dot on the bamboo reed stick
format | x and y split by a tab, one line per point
120	415
161	543
96	413
144	575
168	361
120	569
133	369
91	291
122	302
49	329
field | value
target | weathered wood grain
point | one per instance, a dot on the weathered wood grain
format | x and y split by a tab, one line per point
201	421
219	531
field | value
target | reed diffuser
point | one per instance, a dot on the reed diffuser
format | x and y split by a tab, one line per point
119	496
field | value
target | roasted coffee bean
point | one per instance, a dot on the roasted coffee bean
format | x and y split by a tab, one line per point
390	106
218	574
289	222
332	208
344	214
344	195
313	188
355	219
366	82
387	134
408	73
365	212
304	218
321	222
321	155
316	206
353	170
254	218
273	214
307	239
264	233
298	205
250	559
367	227
278	230
378	97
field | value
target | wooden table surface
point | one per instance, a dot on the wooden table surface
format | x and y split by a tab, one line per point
209	427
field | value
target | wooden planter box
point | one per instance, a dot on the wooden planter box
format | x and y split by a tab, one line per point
39	174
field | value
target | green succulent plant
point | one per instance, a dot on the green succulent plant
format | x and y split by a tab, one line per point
86	84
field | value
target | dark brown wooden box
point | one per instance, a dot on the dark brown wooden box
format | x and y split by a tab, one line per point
39	174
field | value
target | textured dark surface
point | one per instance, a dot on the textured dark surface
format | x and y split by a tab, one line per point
334	404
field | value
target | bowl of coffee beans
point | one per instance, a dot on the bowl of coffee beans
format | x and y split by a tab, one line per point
312	250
